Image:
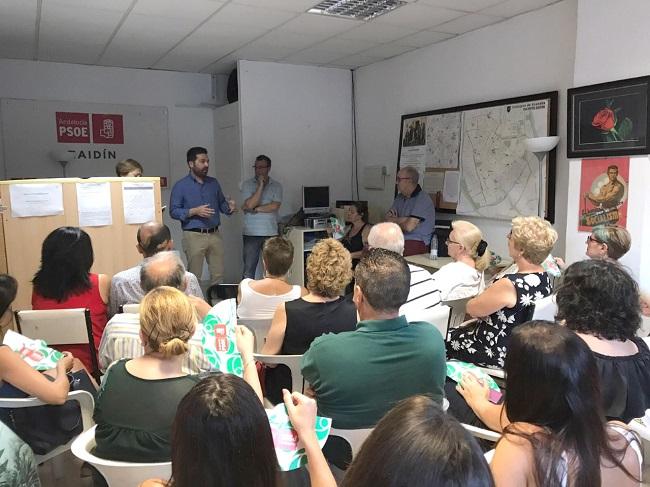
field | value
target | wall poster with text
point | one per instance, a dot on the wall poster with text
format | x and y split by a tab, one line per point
603	192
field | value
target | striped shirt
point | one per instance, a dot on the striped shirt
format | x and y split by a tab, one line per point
423	293
121	339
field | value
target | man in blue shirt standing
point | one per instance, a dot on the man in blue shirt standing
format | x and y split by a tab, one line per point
196	201
262	199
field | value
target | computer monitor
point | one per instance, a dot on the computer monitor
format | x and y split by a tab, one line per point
316	199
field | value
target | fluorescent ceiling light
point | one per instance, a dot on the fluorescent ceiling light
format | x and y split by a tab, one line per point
356	9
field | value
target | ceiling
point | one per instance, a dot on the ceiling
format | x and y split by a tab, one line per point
209	36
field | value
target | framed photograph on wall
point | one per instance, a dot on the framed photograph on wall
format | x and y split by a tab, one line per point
609	119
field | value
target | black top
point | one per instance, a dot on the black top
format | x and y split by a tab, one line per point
305	322
625	383
354	243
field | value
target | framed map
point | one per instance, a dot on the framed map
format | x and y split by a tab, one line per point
473	160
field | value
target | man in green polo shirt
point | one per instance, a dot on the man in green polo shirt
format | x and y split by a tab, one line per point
358	376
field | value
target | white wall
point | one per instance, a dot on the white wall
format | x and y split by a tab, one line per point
182	93
301	117
601	57
528	54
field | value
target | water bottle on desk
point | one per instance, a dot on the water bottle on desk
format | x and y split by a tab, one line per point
433	255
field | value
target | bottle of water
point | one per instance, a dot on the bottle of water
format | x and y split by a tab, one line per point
434	247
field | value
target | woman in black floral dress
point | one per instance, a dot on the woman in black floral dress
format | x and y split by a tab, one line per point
508	301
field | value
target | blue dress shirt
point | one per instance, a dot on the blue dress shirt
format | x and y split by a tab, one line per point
189	193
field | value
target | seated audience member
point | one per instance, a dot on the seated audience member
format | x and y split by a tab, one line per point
509	301
355	239
323	310
423	292
463	278
555	430
357	376
599	300
138	397
121	338
416	443
153	237
258	299
64	281
128	168
608	242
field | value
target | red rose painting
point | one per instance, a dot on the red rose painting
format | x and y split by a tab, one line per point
612	127
604	119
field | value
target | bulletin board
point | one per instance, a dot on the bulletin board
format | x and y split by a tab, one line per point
473	161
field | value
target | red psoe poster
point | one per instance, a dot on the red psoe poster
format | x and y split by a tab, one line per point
603	192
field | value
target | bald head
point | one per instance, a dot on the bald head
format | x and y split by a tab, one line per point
387	236
163	269
153	237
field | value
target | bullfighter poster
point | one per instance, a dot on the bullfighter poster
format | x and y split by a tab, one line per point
603	192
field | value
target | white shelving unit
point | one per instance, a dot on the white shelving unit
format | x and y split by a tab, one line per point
302	239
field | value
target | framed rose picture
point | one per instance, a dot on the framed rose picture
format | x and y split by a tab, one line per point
609	119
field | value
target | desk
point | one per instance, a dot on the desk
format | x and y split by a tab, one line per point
423	260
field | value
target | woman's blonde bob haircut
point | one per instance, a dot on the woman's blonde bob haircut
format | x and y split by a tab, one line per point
167	321
534	237
469	236
329	268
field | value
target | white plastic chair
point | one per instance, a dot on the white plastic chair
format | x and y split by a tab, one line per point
60	326
131	308
291	361
481	433
118	474
355	438
86	403
260	329
438	316
458	311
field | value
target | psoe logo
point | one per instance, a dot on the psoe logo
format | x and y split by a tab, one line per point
73	127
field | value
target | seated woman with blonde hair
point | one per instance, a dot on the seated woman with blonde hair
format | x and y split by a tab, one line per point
509	301
463	278
258	299
323	310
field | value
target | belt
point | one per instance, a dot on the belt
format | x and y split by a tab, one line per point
203	230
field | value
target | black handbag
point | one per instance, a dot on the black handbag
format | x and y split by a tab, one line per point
44	428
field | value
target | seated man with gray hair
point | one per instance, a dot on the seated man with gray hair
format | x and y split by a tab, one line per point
153	237
121	337
423	291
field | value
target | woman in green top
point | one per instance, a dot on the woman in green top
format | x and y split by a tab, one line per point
138	398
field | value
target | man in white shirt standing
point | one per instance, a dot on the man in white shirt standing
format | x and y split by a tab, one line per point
262	199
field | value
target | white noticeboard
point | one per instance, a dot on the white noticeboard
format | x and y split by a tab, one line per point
36	200
138	202
94	204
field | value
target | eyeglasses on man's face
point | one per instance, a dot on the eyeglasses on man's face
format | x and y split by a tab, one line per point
591	238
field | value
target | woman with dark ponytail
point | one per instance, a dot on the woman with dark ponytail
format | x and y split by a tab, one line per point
555	431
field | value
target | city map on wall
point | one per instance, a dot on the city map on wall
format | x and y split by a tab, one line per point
473	159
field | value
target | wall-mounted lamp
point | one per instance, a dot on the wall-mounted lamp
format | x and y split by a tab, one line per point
62	157
540	146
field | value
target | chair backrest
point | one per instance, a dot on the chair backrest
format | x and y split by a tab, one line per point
86	404
458	311
260	329
59	326
291	361
117	474
481	433
131	308
438	316
355	438
221	292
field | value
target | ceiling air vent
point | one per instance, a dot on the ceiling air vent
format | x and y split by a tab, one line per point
356	9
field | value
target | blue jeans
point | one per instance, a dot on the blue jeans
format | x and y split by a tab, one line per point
251	253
